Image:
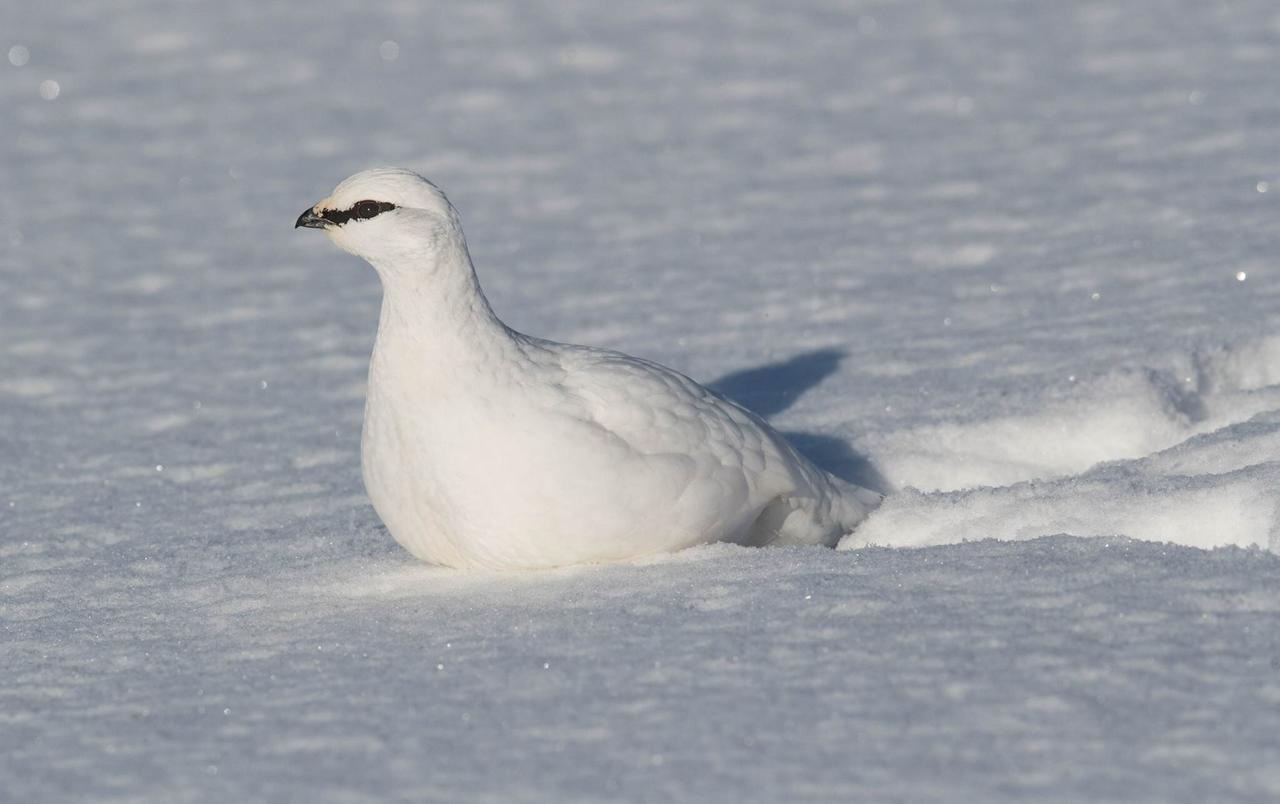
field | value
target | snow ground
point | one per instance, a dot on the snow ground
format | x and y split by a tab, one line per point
1010	261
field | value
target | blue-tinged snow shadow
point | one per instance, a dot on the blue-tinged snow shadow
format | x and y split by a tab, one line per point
772	388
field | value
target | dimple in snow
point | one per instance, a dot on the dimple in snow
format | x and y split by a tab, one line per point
485	447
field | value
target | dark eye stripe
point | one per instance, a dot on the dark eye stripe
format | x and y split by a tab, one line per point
361	210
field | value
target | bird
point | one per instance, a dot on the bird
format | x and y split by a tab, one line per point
485	448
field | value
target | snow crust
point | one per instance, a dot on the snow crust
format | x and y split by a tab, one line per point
1012	263
1188	455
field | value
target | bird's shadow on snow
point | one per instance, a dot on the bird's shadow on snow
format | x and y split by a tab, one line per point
772	388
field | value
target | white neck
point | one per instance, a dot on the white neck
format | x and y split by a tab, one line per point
436	310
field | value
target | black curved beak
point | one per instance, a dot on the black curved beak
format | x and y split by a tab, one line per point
310	220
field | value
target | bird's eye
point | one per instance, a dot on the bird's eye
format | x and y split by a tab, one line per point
367	209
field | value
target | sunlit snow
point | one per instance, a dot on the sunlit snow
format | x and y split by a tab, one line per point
1014	264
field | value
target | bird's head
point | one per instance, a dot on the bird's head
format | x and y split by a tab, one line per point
385	213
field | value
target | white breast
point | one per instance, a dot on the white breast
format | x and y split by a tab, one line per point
557	455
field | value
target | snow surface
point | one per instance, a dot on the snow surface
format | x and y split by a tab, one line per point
1011	261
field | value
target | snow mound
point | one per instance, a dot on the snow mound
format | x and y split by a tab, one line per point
1188	453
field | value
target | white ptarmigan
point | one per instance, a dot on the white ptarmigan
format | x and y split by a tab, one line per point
483	447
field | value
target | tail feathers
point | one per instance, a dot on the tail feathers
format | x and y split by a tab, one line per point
852	504
808	520
857	503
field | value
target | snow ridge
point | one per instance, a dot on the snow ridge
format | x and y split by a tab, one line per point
1188	453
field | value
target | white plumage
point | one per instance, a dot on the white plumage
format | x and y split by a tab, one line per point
483	447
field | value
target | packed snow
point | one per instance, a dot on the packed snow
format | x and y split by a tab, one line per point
1010	263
